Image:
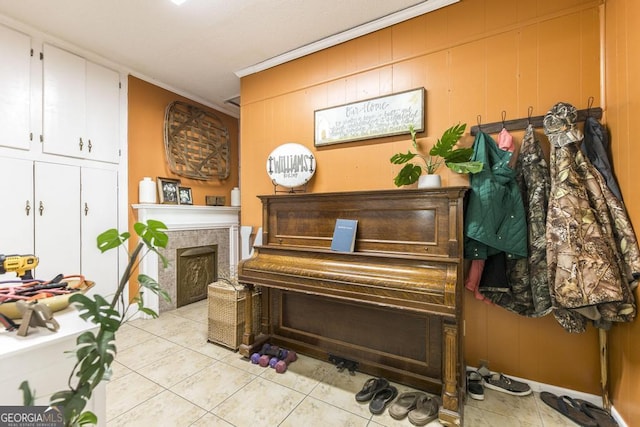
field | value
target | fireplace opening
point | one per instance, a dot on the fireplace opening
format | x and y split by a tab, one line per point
197	267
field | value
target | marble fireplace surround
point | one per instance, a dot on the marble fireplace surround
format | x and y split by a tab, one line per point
189	226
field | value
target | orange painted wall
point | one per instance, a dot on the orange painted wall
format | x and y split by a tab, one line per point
147	104
622	93
476	57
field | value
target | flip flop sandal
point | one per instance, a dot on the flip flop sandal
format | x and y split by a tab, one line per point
405	403
569	408
425	412
381	399
600	415
371	387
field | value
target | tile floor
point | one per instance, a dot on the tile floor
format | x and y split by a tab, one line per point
167	374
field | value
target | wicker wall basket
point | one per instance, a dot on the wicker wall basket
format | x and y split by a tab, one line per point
226	313
196	143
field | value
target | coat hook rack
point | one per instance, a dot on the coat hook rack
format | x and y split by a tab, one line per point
522	123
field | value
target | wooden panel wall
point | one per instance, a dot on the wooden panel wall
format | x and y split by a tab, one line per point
147	105
476	57
622	92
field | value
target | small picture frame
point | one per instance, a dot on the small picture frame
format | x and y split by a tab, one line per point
168	190
184	196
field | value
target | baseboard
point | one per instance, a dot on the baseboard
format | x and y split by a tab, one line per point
616	416
561	391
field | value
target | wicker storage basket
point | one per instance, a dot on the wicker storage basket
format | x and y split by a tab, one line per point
226	313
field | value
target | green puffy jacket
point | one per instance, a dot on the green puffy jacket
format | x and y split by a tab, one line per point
494	216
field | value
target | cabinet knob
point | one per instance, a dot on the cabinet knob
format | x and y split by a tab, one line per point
86	209
27	208
81	144
89	145
41	208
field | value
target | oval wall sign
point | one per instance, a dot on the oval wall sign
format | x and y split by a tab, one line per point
291	165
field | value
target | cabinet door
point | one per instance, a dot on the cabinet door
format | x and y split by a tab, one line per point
57	219
103	113
15	73
99	213
63	103
17	213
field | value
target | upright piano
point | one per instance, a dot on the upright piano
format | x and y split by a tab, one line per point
393	305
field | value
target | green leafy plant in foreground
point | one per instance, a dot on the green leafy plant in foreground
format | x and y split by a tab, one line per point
444	151
95	351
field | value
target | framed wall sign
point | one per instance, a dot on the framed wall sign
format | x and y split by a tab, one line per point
372	118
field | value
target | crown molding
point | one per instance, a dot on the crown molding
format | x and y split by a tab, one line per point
369	27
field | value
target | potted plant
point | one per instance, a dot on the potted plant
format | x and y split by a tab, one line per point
96	351
444	151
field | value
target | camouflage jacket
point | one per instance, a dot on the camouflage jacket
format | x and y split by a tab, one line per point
527	292
592	251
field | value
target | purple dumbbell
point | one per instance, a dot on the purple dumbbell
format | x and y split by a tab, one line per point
264	360
281	366
255	358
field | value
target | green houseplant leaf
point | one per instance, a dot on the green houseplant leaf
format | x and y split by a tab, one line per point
408	174
444	146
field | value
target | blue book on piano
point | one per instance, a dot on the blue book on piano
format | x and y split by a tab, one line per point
344	235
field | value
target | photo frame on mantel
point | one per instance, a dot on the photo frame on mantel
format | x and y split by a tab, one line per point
370	118
168	190
184	196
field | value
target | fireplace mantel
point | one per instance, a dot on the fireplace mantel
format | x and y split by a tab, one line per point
187	217
184	218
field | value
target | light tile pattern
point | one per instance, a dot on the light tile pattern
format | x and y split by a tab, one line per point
167	374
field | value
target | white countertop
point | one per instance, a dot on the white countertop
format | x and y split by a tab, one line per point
70	324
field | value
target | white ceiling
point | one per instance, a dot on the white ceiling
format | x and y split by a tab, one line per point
201	47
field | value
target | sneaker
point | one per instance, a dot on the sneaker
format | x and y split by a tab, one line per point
474	385
497	381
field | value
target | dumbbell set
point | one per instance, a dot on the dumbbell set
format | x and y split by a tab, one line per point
274	357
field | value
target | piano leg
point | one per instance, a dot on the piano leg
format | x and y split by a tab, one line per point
249	343
449	414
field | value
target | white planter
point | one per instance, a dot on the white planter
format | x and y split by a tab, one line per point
429	181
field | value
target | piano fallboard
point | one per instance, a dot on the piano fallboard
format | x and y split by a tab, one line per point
414	284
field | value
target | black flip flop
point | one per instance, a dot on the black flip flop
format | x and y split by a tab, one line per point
381	399
569	408
370	387
600	415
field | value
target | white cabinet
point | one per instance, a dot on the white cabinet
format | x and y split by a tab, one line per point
81	107
55	212
41	215
103	113
16	214
57	219
15	83
99	205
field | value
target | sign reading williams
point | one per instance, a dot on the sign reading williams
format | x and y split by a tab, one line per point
291	165
371	118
